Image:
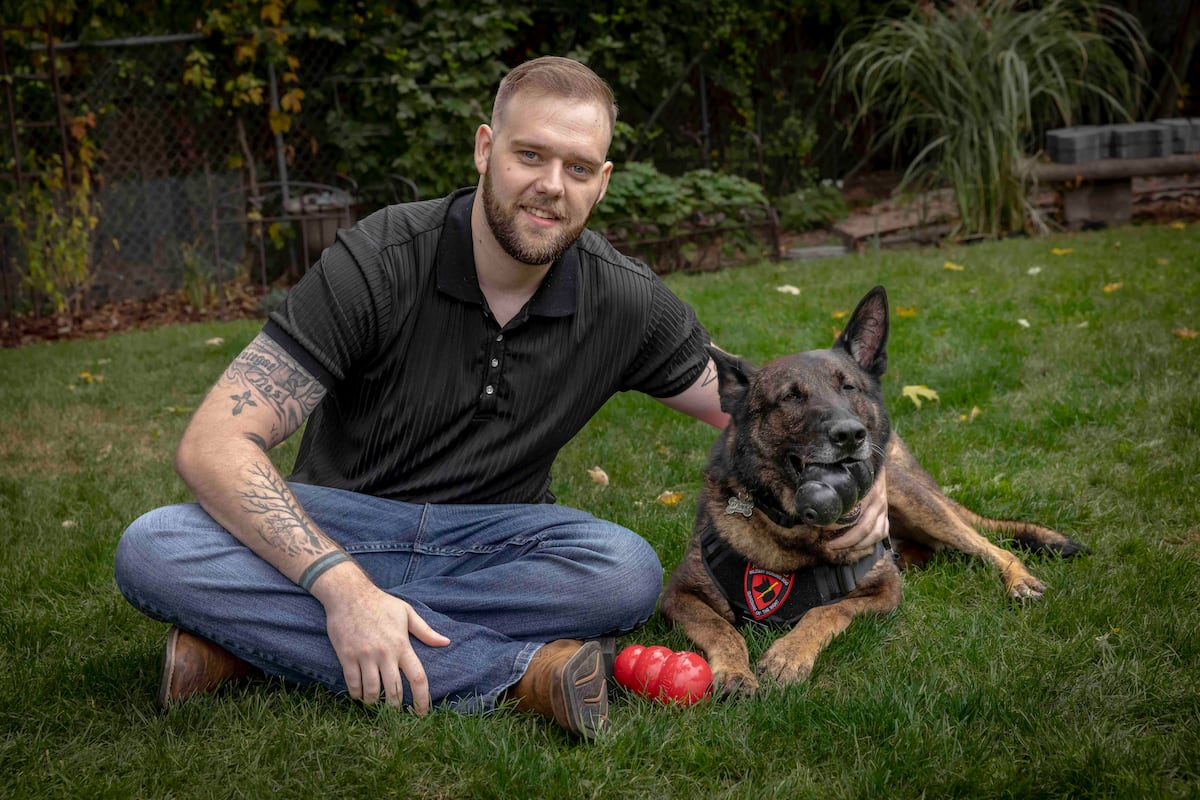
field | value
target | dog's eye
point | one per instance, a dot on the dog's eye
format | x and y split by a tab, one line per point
849	387
792	395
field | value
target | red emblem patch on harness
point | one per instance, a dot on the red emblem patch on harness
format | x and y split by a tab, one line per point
765	591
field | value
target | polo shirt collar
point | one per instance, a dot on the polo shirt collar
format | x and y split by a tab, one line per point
556	297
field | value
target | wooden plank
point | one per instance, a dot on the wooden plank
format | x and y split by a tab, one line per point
1103	169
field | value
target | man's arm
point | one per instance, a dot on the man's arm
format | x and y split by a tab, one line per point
263	397
703	401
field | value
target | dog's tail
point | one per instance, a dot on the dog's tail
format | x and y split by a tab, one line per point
1029	535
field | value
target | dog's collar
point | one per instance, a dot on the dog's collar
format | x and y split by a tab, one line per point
744	504
760	595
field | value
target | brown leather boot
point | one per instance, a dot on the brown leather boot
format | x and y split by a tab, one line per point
193	665
566	682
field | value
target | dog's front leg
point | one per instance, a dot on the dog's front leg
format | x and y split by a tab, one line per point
717	640
791	658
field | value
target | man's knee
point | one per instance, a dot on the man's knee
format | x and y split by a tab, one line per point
143	564
631	579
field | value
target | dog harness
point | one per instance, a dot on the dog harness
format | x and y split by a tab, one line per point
760	595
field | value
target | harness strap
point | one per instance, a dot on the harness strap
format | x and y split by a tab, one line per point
760	595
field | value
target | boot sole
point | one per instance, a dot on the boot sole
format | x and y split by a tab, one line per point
584	692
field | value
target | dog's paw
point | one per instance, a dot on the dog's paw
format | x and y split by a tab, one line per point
1026	589
734	684
784	665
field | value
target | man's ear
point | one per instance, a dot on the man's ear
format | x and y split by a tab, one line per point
865	335
484	137
605	175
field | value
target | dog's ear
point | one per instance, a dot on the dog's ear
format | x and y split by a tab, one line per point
733	377
865	335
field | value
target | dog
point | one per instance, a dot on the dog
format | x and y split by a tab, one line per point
807	435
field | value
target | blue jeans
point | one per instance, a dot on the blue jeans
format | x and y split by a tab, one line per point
498	580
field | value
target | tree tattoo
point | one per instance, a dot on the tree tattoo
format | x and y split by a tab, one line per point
284	524
278	381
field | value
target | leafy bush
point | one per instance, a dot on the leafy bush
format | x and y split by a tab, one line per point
812	207
55	226
681	223
643	202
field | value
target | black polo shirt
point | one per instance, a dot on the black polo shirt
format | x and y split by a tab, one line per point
429	400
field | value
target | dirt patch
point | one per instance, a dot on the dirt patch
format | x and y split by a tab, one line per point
166	308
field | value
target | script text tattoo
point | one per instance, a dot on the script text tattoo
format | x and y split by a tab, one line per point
289	391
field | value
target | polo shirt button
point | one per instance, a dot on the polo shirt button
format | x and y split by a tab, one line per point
500	337
495	362
490	390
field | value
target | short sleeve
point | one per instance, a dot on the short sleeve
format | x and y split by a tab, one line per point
338	311
672	353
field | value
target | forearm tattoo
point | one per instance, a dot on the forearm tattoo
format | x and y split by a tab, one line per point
283	522
278	382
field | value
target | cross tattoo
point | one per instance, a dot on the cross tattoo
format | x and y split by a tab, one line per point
242	400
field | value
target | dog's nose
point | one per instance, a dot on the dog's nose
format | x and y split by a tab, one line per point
847	434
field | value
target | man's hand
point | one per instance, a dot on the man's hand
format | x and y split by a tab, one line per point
370	630
872	524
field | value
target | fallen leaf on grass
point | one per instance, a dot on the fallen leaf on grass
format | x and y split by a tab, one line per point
1033	270
1184	333
598	476
919	393
1024	323
216	341
841	314
787	288
1178	225
1109	288
69	523
669	498
901	311
1162	262
1061	251
970	416
950	265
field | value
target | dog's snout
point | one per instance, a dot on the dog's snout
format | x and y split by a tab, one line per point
847	434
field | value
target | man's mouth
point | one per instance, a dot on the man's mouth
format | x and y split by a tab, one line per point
541	213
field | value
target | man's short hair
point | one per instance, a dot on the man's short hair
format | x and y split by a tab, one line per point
557	77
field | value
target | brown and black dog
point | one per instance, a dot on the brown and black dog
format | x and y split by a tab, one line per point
807	435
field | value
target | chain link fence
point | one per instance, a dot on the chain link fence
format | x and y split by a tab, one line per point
187	195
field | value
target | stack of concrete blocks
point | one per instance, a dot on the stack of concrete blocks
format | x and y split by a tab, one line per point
1078	144
1133	140
1110	201
1185	134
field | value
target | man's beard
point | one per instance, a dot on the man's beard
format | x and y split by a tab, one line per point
503	223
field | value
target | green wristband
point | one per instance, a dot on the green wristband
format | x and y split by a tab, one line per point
317	568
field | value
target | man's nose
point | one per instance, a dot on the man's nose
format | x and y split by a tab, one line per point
550	181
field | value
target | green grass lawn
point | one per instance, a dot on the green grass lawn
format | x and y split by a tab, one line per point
1067	396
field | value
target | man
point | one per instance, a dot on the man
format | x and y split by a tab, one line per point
442	353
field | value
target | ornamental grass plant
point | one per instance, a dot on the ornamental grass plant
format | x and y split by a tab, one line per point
1068	386
965	90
